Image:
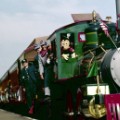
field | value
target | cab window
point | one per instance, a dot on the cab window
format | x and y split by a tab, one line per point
67	45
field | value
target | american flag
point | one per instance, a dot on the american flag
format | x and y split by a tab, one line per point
104	28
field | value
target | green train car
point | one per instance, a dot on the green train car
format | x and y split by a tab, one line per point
68	55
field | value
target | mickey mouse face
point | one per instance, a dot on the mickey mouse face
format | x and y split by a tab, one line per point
66	44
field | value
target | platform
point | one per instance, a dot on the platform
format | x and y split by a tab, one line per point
6	115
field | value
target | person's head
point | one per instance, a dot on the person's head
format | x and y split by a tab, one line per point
43	45
24	63
37	48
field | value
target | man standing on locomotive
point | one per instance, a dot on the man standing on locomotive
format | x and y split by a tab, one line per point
28	81
45	62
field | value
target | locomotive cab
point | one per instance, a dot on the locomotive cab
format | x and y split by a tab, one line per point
67	49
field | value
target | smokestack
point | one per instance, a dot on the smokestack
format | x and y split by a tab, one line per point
118	13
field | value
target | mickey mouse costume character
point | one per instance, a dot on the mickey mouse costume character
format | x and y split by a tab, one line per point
66	50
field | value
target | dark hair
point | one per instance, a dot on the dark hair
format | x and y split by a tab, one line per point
24	61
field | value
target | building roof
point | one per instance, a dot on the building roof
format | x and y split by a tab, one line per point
82	17
38	39
35	41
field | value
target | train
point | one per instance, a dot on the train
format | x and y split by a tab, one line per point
87	82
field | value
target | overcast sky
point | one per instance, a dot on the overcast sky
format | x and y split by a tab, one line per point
23	20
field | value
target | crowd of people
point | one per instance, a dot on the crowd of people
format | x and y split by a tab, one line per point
41	72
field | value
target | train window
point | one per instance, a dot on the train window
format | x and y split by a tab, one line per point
67	44
81	37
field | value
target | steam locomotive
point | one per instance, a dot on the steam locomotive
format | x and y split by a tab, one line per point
86	55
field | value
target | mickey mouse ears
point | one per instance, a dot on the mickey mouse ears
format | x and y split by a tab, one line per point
67	36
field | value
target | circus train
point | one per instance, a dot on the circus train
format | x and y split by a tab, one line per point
87	83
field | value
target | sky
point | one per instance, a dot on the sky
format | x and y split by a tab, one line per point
23	20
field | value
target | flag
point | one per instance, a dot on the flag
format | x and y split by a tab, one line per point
93	70
104	28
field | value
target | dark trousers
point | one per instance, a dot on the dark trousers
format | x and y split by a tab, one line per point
30	94
48	75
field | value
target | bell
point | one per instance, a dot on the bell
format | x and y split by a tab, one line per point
96	110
